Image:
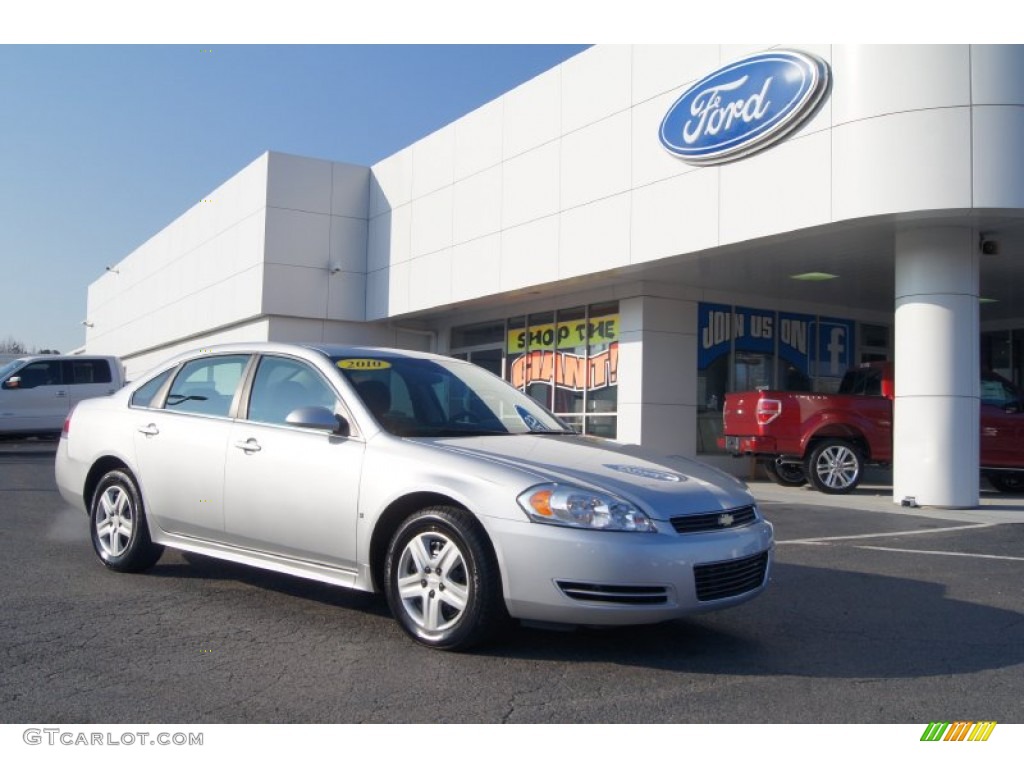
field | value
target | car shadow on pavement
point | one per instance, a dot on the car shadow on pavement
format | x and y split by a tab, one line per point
188	565
19	456
811	622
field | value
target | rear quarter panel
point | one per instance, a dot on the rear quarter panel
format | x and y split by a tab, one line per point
853	417
100	427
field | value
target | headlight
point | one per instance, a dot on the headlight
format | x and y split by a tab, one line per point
580	508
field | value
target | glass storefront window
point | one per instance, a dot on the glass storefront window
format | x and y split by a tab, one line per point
571	363
745	348
1001	353
540	357
567	360
478	334
603	369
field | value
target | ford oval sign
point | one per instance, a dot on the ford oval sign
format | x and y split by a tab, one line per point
744	107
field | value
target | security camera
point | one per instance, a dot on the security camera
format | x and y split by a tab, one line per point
335	267
990	247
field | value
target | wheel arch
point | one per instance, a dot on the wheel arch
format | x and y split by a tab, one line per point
835	430
393	516
96	472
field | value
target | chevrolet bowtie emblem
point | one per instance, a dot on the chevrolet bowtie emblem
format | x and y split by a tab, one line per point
724	521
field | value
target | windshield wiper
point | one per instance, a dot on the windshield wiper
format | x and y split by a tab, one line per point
179	399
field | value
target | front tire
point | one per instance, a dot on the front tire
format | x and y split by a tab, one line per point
835	466
442	580
117	521
785	474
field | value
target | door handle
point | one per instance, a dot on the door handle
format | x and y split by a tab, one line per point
249	446
149	430
61	393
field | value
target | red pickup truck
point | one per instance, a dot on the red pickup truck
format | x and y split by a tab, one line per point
827	439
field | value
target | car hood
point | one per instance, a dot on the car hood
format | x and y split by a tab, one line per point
664	487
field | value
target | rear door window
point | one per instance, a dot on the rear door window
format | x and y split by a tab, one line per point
207	386
863	381
87	372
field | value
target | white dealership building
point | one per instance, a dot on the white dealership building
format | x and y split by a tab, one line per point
640	230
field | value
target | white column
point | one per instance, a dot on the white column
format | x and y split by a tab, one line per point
935	430
658	374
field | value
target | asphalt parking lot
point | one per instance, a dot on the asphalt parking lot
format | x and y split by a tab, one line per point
873	615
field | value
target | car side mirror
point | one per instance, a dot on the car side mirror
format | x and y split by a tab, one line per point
341	428
318	417
13	383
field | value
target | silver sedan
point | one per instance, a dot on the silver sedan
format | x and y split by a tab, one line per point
427	478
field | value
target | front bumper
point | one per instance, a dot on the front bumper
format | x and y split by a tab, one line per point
563	575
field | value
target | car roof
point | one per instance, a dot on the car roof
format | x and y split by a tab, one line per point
34	358
303	349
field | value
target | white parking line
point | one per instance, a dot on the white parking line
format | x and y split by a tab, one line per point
825	539
951	554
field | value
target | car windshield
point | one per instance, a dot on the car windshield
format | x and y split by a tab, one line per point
413	397
8	368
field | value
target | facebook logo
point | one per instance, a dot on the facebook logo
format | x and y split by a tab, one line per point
835	347
836	351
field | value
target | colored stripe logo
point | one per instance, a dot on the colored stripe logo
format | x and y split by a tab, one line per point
959	731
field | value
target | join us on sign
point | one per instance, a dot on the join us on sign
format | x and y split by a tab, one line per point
725	326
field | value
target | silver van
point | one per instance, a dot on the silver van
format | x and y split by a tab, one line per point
36	392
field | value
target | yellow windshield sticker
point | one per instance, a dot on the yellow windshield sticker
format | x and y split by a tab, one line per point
363	364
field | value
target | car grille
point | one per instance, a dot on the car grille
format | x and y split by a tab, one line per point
613	593
733	577
715	521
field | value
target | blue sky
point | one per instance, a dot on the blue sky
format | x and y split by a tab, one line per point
102	146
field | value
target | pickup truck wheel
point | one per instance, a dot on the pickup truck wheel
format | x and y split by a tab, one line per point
1007	482
834	466
785	474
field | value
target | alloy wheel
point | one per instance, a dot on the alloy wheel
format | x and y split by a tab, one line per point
115	521
433	582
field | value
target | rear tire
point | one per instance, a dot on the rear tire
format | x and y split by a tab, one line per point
442	580
835	466
117	522
784	474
